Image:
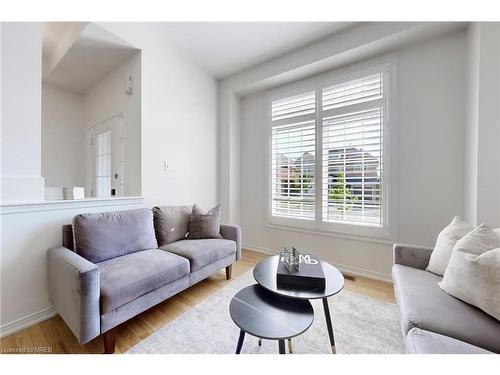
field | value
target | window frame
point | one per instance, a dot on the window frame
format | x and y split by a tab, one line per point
386	66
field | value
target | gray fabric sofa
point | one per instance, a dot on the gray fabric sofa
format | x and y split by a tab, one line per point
432	321
114	265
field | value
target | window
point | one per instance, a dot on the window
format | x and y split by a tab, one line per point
327	154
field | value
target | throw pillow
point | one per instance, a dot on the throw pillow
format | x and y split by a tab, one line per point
473	274
497	232
444	245
204	224
171	223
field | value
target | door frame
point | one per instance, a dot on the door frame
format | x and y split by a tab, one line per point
117	155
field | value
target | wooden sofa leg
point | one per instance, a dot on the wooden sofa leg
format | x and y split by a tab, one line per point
228	272
109	341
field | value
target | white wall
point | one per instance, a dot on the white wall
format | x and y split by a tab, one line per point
361	42
21	112
427	158
229	149
28	231
482	157
179	122
430	137
107	98
63	137
178	118
68	116
471	124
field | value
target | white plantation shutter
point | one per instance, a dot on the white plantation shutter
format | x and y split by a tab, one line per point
353	92
293	156
352	121
343	124
298	105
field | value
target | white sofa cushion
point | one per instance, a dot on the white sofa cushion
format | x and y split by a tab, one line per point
444	245
497	232
473	273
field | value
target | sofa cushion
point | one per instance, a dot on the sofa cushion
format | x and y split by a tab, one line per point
473	274
202	252
171	223
446	239
419	341
107	235
126	278
423	304
497	232
203	225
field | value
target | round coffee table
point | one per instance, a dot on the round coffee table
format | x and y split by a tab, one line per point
265	274
263	314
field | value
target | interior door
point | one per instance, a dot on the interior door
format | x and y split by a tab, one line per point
108	158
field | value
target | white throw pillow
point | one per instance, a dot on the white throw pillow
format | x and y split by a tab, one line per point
473	274
444	245
497	232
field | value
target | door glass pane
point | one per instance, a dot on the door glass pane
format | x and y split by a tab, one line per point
106	165
103	164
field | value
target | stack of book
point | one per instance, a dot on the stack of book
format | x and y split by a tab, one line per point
309	275
73	192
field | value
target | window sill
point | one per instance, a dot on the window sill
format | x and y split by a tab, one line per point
47	205
381	239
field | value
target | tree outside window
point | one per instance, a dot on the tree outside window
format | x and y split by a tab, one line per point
340	194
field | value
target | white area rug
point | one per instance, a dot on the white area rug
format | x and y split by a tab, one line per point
361	325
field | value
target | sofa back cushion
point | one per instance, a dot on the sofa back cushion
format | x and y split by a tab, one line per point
171	223
102	236
68	237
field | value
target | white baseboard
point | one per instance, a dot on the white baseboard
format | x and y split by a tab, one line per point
27	321
349	270
259	249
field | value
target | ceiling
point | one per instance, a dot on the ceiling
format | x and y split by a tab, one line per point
95	53
224	48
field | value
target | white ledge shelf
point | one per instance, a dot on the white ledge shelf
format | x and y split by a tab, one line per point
35	206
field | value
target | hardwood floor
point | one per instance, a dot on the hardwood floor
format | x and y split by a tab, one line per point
54	333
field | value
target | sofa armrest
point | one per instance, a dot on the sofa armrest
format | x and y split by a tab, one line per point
412	256
74	288
232	232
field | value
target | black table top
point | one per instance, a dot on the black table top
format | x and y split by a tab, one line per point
265	274
268	315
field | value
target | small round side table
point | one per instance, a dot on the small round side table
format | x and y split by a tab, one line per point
265	274
267	315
